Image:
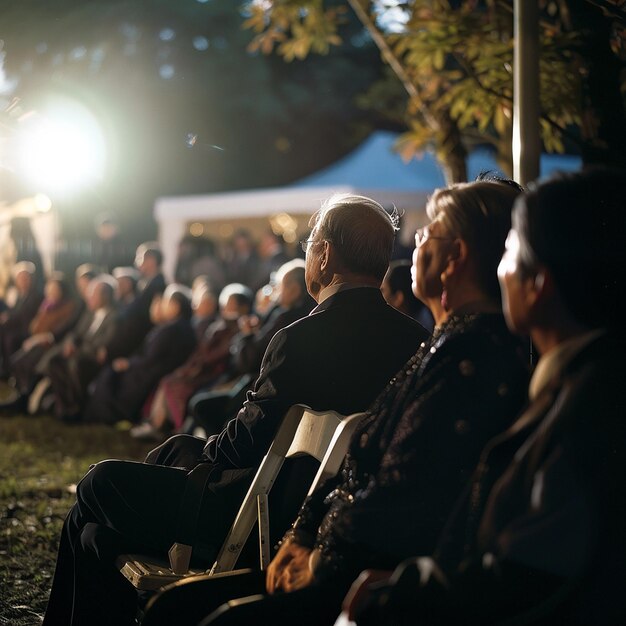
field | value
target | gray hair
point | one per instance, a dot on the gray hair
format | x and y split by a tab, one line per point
361	231
241	293
479	213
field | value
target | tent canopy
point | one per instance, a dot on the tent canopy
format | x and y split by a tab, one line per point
373	169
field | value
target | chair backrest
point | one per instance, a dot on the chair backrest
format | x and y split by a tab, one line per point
323	435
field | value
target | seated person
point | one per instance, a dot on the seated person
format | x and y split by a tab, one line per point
288	302
337	358
14	322
205	364
134	321
292	302
56	315
539	538
410	460
122	387
398	292
126	290
83	352
205	308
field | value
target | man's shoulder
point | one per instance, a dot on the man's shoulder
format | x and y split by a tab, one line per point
357	311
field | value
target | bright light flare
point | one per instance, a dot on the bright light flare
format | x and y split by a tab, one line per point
62	148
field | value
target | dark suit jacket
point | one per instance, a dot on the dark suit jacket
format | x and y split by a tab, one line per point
120	395
339	357
248	350
22	313
135	322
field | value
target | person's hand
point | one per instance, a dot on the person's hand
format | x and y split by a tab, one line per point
358	595
286	568
298	573
120	365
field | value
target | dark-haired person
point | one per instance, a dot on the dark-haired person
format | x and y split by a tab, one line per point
135	323
122	387
410	460
398	292
541	536
338	357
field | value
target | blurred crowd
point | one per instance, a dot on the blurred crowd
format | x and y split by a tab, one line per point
124	347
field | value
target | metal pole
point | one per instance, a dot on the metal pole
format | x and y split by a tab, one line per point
526	107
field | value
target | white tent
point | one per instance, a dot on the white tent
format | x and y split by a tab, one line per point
373	169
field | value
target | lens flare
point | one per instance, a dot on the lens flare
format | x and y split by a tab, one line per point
62	148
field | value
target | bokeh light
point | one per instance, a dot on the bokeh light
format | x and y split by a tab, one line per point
61	148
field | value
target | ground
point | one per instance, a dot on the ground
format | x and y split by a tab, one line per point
41	460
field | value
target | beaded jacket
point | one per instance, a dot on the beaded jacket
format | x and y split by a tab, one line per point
412	455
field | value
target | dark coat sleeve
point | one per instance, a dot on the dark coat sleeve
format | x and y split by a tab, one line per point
246	438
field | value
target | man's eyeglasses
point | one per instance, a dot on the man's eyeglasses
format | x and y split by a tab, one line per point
422	234
305	244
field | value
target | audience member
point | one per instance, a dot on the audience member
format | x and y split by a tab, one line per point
84	350
410	459
135	323
127	279
398	292
242	262
122	387
204	366
292	303
56	316
337	358
15	322
271	252
205	308
207	263
539	538
109	250
288	302
83	275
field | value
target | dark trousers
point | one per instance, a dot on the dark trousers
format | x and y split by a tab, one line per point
23	366
203	600
121	507
70	378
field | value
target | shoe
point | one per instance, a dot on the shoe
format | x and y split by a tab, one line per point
9	395
146	432
37	395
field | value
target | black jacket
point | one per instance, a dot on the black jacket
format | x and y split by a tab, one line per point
339	358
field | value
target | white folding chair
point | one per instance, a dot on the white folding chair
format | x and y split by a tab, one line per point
322	435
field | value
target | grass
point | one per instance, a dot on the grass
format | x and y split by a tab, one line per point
41	460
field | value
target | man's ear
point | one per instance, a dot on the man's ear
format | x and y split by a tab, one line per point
541	287
538	292
327	256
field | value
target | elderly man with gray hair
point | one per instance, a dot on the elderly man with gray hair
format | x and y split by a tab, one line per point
339	357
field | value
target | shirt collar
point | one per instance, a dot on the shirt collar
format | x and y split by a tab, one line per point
327	292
